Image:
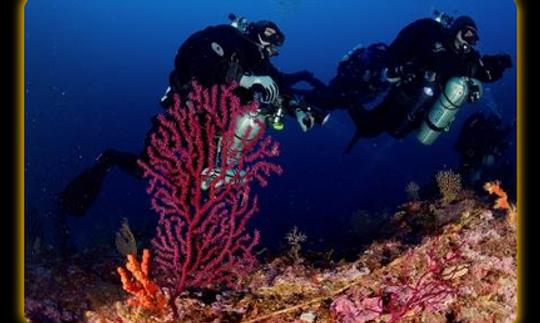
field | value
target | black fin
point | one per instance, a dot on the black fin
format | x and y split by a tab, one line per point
356	115
356	137
83	190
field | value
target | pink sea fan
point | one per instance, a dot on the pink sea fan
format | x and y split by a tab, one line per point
201	239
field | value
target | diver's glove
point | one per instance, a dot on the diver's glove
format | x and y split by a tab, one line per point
496	64
270	87
305	119
400	74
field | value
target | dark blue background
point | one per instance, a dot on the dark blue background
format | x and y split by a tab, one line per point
95	71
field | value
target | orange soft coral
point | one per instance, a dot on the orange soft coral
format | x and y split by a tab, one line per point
145	293
502	199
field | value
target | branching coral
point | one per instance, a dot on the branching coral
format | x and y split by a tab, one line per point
202	239
146	293
449	185
412	189
502	202
414	285
295	238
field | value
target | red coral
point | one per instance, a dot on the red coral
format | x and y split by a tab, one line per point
502	200
417	285
201	239
145	292
426	289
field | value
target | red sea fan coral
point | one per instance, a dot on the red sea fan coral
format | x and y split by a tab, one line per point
201	239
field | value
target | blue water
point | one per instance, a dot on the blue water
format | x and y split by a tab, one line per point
95	70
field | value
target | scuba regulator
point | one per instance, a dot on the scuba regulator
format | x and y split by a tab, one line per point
240	23
443	18
273	112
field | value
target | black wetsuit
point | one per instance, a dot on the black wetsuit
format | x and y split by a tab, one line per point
424	45
358	80
220	55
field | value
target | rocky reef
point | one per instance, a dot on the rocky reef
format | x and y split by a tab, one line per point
434	261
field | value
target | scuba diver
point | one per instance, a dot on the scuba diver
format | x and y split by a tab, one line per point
239	52
481	145
358	80
432	70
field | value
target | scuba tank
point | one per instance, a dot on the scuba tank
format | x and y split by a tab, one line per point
247	127
444	110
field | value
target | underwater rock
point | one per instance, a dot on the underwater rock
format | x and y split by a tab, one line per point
464	270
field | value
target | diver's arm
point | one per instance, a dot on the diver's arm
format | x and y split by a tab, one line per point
291	79
305	114
282	80
489	68
293	105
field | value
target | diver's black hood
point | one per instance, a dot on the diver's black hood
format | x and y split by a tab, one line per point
257	29
461	23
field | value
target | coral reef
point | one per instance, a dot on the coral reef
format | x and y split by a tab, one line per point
460	267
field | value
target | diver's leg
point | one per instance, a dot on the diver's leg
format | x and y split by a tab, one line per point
322	98
369	123
83	190
126	161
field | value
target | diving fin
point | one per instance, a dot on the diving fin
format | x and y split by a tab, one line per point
356	115
356	137
83	190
